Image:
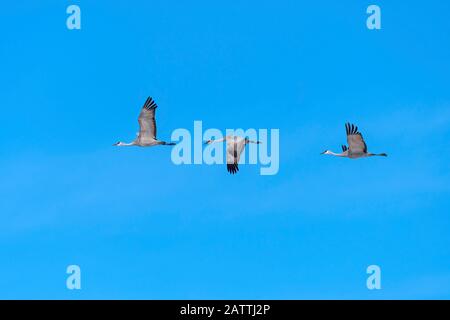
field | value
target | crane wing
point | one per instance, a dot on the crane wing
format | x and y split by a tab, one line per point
147	123
355	140
234	149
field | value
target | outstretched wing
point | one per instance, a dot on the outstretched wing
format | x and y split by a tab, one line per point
235	147
355	140
147	123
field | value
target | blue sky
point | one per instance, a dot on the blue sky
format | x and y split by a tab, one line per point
142	228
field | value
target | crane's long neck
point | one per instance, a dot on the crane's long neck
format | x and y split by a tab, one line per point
124	144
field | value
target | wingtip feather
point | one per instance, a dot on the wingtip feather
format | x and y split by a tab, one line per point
232	168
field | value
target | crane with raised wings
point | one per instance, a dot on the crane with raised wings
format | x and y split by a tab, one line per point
146	137
357	147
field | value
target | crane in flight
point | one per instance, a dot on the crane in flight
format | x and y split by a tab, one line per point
235	146
146	137
357	148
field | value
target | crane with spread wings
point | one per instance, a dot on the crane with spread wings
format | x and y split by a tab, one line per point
146	137
357	147
235	146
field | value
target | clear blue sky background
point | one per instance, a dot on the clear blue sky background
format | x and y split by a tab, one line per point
141	227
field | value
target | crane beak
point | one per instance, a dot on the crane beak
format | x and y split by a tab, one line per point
323	152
